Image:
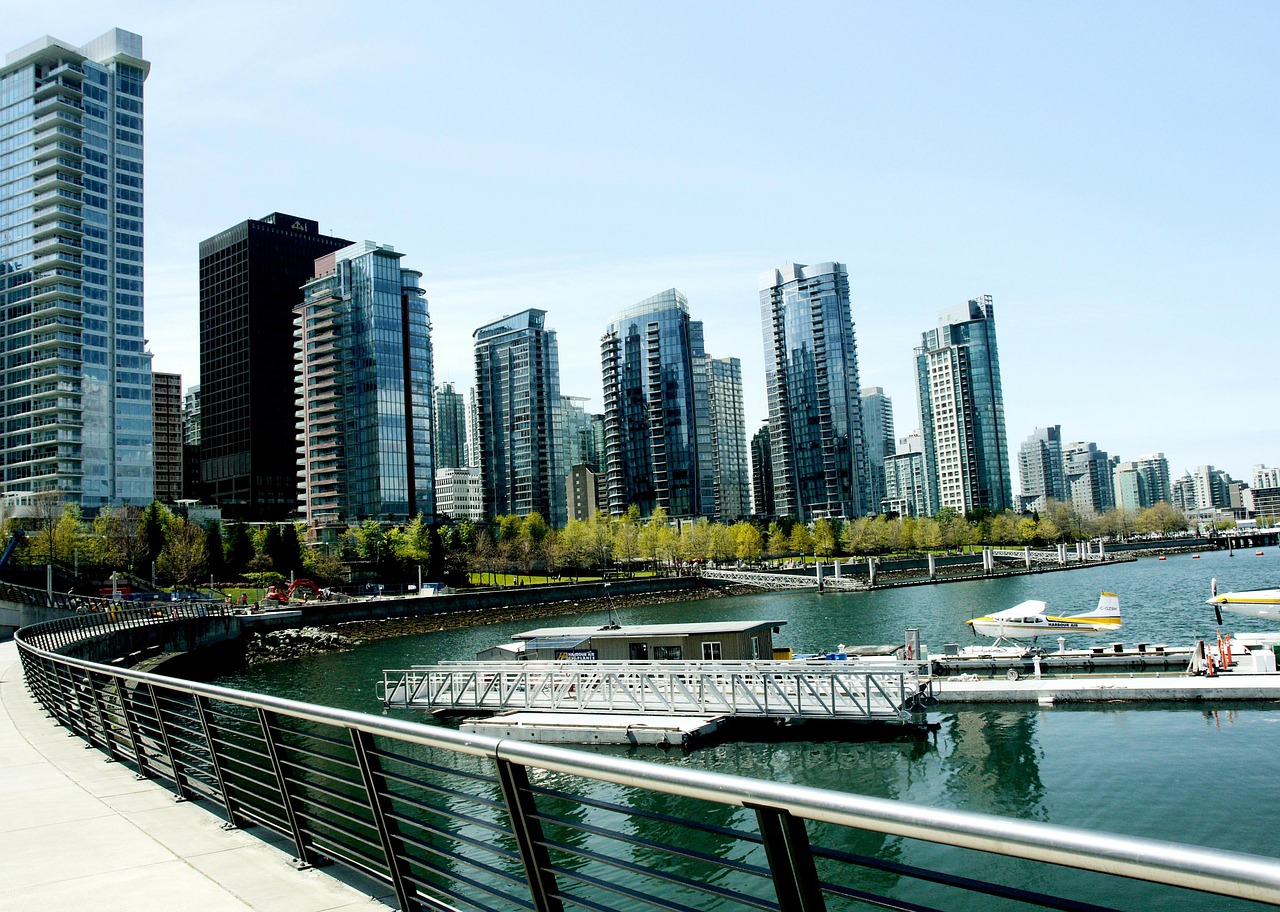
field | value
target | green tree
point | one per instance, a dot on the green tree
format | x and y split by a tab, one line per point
824	539
626	537
748	542
239	548
778	542
155	520
184	555
215	556
801	539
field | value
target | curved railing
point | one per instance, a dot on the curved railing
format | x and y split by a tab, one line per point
446	820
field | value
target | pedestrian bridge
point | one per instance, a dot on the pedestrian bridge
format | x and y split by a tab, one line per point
764	580
856	691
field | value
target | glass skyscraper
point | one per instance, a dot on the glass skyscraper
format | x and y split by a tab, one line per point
451	428
966	453
363	343
518	414
732	468
658	443
877	423
1042	474
811	376
76	375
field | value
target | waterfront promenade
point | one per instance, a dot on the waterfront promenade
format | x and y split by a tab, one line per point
78	832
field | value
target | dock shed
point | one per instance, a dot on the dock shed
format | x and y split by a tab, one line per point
718	641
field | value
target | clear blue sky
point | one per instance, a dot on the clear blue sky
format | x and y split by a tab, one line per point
1107	172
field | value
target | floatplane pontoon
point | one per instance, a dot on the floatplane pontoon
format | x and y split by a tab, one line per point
1031	619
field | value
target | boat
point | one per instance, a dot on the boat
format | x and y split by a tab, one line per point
1263	603
1030	619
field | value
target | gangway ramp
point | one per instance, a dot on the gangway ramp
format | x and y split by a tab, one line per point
847	690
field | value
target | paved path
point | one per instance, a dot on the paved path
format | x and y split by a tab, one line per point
78	832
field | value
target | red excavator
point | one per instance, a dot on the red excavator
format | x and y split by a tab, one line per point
282	595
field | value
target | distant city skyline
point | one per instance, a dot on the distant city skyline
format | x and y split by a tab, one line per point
1105	173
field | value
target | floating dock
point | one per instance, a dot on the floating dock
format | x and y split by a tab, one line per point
597	728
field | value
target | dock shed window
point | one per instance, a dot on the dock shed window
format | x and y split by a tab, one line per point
668	653
711	651
639	652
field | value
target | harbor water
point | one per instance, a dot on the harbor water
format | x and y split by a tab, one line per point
1202	773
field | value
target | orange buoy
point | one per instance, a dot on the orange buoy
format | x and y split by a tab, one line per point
1162	557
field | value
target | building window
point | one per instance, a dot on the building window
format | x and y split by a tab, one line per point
639	652
668	653
711	652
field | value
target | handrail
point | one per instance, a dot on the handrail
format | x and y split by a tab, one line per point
266	760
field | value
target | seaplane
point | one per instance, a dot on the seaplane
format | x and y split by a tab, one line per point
1031	619
1263	603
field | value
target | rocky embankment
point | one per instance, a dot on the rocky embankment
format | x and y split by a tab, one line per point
282	645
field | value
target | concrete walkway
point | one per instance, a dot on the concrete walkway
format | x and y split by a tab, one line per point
79	832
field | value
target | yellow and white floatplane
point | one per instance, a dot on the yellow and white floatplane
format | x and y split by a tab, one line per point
1263	603
1031	619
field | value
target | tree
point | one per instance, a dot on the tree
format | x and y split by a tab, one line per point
778	540
119	539
824	539
626	537
801	539
239	548
748	542
651	538
529	549
155	520
215	556
600	540
184	555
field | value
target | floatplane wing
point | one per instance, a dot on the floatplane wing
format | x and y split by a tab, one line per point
1031	619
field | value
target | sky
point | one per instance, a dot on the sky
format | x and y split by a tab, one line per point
1107	172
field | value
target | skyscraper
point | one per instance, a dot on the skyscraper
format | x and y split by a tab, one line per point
451	428
904	479
732	468
518	413
363	343
1041	470
762	503
657	410
811	375
76	375
966	453
166	419
877	424
1089	478
251	279
192	488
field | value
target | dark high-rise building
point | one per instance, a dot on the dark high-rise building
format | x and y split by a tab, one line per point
877	427
192	487
166	432
251	278
451	428
762	474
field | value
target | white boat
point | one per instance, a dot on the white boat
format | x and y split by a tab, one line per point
1031	619
1263	603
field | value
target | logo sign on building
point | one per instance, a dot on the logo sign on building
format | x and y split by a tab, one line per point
577	655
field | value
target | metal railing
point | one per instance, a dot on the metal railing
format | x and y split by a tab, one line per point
445	820
785	690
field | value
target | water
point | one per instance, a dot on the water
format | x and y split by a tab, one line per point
1204	773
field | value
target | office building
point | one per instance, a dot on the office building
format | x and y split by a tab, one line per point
364	384
762	503
518	415
1090	480
451	428
583	490
76	374
583	434
731	468
460	493
166	434
1041	470
906	493
811	377
251	279
657	410
966	453
192	488
877	431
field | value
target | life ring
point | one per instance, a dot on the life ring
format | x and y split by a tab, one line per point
1012	674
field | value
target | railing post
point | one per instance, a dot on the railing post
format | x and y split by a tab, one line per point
132	728
271	737
112	753
786	845
527	830
206	727
375	786
175	765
